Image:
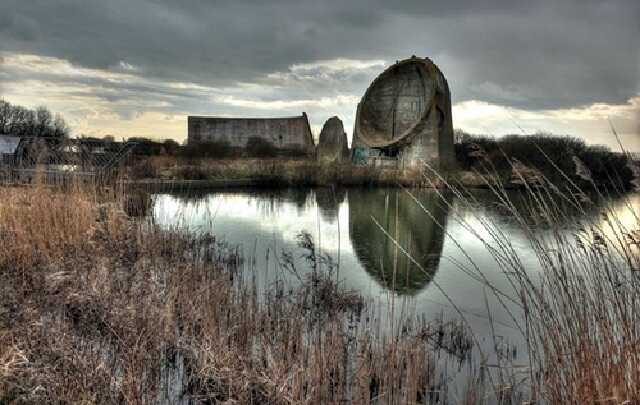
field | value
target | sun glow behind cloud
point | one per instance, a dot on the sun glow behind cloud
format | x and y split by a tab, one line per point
592	123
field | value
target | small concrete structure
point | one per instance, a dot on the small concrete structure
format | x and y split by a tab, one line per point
404	118
332	145
289	134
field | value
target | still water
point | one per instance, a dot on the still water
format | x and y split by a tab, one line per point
438	266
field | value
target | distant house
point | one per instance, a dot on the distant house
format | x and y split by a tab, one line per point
287	134
8	148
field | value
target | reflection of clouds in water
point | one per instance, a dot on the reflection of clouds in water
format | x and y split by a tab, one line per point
271	219
340	221
281	212
620	221
265	203
627	212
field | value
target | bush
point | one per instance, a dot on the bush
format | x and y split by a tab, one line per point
171	147
208	149
191	172
144	169
552	155
147	147
21	121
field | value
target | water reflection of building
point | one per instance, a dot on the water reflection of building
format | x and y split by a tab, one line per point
416	232
328	200
268	202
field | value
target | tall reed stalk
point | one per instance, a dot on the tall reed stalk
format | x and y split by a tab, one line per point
580	306
100	307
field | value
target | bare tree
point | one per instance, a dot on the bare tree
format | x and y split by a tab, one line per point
60	128
460	136
44	122
21	121
5	116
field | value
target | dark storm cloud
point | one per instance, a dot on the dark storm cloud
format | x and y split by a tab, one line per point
532	55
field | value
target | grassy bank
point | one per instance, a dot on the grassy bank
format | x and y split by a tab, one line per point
271	172
100	307
538	158
581	310
97	307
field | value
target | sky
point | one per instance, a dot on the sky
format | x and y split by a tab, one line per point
140	67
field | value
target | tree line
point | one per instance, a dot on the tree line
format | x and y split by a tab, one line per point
40	122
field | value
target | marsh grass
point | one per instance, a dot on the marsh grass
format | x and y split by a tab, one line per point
271	172
101	307
578	310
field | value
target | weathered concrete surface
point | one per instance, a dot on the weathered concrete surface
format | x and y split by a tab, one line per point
288	133
332	145
420	235
406	114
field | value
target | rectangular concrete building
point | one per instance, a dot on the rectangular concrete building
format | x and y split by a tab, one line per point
285	134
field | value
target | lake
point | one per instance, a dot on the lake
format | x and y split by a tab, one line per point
438	266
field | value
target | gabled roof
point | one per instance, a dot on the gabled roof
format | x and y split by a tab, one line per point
8	144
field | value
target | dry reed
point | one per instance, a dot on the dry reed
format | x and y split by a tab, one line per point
97	307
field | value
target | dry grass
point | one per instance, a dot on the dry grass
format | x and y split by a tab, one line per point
580	312
583	310
273	172
99	308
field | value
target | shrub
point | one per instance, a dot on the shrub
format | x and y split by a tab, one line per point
147	147
143	169
191	172
208	150
552	155
171	147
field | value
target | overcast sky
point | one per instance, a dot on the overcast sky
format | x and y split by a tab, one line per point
139	67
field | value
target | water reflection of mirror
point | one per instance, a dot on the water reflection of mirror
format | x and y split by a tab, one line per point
420	235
